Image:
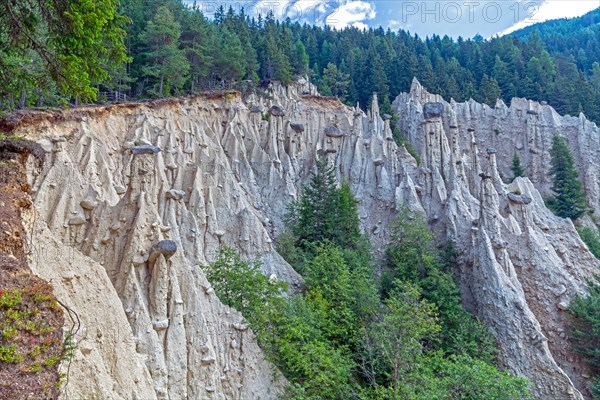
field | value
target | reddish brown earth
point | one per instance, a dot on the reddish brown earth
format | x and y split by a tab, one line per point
31	320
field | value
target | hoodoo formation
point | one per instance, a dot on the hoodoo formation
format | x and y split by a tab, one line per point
238	206
136	224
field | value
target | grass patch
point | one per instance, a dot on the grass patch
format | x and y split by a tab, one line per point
31	327
10	298
10	355
4	135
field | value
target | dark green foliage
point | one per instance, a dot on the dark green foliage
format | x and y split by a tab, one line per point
569	199
229	62
57	46
164	63
235	47
516	167
585	331
591	239
490	91
576	38
413	258
334	82
301	59
324	212
339	339
310	218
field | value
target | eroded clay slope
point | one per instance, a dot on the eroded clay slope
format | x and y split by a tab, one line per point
521	264
195	173
525	127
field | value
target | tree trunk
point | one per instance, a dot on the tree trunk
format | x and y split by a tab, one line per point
21	104
162	79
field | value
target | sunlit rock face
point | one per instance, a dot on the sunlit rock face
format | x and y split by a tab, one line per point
140	194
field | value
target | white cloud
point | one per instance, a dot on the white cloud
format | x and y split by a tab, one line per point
338	14
360	25
351	13
395	25
554	9
311	11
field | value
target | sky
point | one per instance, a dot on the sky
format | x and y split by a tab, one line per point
465	18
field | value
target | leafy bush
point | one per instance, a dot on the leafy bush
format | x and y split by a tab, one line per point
244	287
294	333
462	377
9	354
305	355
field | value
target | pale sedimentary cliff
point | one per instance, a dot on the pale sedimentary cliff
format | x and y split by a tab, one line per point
521	264
525	128
123	184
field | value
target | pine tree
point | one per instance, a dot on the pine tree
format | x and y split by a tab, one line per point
347	230
569	201
196	41
276	64
516	167
164	60
334	82
67	41
251	62
325	212
489	91
312	216
585	331
229	58
301	60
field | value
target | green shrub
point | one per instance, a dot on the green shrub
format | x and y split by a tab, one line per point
465	378
10	298
414	258
295	333
591	239
243	286
9	354
585	331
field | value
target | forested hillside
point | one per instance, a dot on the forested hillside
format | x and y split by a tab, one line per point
577	39
175	50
